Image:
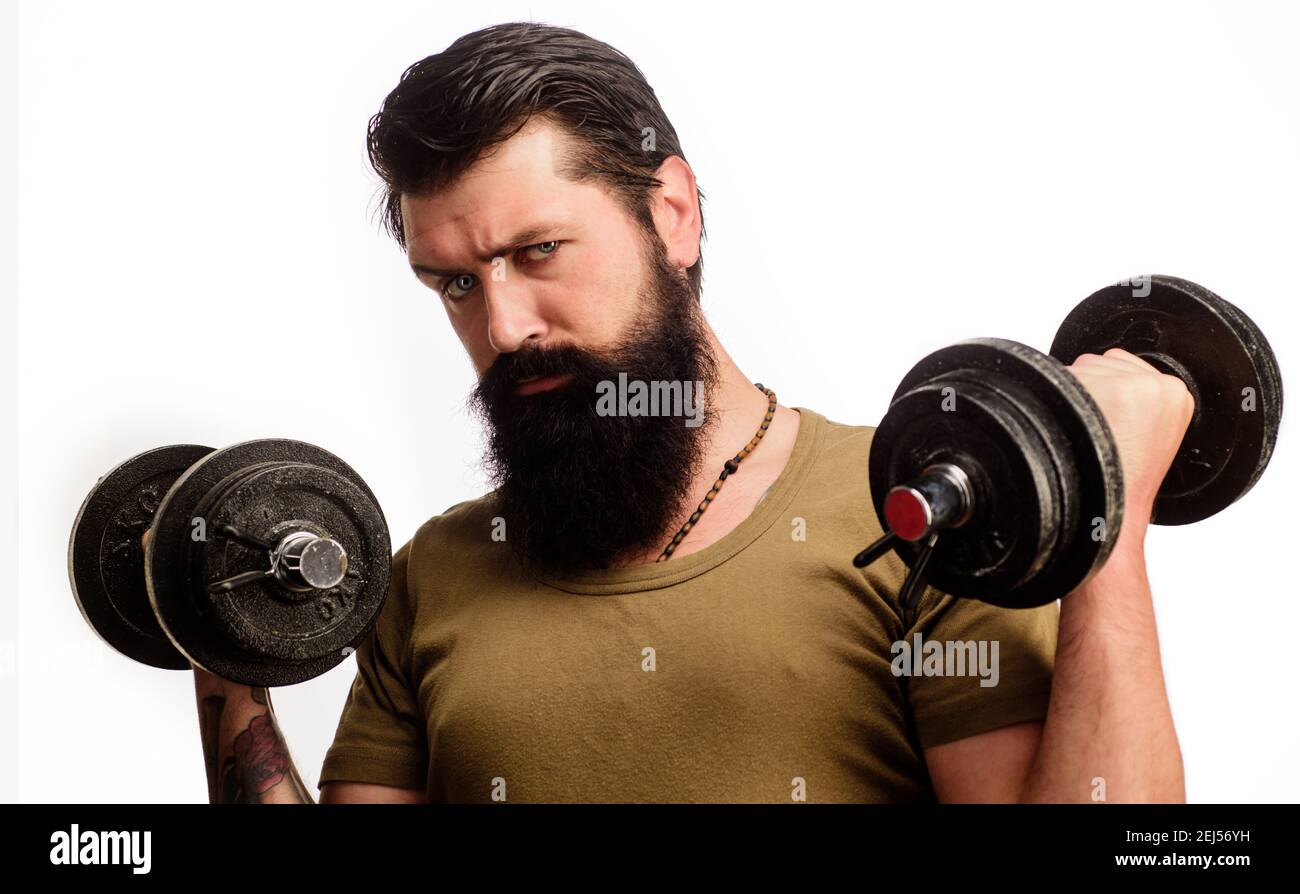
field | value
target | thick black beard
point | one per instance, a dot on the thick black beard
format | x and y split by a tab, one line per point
578	490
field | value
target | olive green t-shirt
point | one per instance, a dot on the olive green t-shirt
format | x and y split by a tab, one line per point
759	669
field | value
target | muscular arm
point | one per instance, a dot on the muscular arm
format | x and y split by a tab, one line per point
248	760
244	751
1108	722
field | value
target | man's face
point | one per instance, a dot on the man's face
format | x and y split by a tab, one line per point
500	294
557	293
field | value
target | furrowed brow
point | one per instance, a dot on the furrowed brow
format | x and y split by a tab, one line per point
519	240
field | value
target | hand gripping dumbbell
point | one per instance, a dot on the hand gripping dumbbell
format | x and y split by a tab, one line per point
267	562
995	476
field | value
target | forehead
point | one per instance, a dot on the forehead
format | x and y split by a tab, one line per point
515	186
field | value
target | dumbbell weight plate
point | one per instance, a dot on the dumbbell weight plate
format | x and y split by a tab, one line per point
106	558
999	548
1023	547
1223	352
262	633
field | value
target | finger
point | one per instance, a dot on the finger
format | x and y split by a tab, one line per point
1089	360
1129	358
1109	365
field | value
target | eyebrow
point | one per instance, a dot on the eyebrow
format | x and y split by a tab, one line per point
519	240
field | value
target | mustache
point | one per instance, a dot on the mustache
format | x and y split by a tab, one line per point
526	363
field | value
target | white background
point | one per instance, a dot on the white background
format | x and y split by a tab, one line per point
880	182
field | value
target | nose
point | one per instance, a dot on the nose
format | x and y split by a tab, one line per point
513	316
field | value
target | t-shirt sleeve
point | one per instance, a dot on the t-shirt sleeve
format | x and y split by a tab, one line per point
1013	650
381	734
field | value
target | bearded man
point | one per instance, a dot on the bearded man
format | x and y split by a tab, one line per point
654	604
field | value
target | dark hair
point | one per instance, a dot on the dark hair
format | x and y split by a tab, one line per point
450	108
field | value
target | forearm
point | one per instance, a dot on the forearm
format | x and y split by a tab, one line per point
1108	722
244	751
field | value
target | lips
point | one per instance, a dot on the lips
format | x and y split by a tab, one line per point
534	384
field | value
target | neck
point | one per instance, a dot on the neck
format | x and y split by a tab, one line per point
740	408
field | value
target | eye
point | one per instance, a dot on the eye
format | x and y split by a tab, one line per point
462	284
544	248
459	286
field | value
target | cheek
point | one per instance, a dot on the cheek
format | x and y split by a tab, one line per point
597	301
472	330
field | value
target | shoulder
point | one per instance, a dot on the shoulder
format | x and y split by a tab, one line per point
846	443
836	498
464	541
457	532
838	471
461	525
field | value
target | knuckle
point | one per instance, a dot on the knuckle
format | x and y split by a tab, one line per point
1143	391
1175	387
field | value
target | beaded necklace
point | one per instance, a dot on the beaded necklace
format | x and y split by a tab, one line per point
730	466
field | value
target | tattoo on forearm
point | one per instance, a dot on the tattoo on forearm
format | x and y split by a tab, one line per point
257	759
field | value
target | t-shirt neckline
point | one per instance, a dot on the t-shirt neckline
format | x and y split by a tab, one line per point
656	575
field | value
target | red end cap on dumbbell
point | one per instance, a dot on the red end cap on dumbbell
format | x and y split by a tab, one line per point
908	513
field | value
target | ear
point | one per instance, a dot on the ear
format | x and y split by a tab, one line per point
676	209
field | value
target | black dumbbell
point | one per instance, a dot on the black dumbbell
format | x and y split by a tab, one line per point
996	477
267	562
